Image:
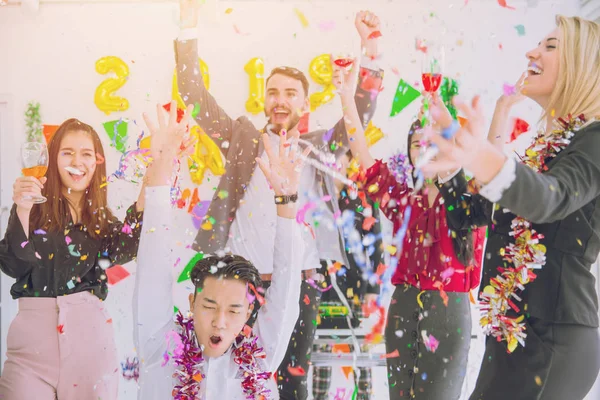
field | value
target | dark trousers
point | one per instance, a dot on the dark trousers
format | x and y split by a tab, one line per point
558	362
418	372
291	383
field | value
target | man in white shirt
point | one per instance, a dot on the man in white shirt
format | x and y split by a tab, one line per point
212	355
244	219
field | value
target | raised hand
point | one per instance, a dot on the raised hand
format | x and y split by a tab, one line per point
284	169
507	100
25	189
368	25
188	13
345	78
169	137
467	144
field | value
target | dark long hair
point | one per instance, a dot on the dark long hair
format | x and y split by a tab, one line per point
462	241
54	215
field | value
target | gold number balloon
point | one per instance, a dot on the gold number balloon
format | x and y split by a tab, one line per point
255	68
321	72
206	155
104	98
175	95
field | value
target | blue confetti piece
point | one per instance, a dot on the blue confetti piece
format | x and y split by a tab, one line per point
39	232
70	285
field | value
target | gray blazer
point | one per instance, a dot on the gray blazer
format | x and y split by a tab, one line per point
563	204
239	140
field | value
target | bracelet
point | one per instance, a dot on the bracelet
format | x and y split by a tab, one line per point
450	131
281	200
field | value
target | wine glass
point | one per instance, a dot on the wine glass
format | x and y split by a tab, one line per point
34	160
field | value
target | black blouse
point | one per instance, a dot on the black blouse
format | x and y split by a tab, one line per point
51	264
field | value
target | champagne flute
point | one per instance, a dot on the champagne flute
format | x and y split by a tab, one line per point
34	162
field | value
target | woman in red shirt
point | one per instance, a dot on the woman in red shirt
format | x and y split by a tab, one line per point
429	318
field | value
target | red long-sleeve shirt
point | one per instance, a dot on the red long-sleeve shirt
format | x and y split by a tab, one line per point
428	253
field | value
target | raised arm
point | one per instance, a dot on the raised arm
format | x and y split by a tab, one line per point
365	90
277	317
153	298
211	118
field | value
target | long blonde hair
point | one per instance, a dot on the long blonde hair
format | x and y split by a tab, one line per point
577	90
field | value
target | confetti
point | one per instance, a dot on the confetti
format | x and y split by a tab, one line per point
519	127
503	4
520	30
375	35
393	354
116	274
71	285
326	26
117	132
39	232
301	17
431	343
130	369
72	250
60	329
296	371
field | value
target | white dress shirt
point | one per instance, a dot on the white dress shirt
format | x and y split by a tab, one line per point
252	234
153	307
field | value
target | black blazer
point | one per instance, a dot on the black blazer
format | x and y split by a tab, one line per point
563	204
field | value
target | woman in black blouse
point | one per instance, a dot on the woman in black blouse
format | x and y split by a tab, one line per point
540	306
61	344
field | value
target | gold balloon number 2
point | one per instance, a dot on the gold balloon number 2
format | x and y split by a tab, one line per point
105	98
320	71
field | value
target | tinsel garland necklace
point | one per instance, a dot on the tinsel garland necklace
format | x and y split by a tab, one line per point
525	254
190	363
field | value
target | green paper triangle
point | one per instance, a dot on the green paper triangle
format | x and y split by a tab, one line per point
175	310
185	274
117	132
405	94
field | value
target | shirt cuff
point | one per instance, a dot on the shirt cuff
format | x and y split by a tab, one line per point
187	34
441	180
369	63
494	190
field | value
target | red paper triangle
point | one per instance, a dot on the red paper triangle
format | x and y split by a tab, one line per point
116	274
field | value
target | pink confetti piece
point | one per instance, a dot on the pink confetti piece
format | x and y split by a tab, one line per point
39	232
447	273
127	229
68	240
24	244
326	26
509	90
431	343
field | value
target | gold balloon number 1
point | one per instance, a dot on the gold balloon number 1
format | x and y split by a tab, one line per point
320	71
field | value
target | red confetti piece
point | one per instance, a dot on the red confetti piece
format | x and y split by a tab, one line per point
503	4
180	112
296	371
375	35
61	329
306	299
393	354
519	127
116	274
109	321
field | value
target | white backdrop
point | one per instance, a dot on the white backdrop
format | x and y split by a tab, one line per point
49	56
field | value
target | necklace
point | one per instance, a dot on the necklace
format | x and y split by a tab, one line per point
187	356
525	254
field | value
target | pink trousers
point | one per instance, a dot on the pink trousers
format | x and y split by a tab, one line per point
61	348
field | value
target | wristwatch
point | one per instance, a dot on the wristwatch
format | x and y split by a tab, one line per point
286	199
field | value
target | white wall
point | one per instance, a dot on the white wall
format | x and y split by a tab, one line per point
49	57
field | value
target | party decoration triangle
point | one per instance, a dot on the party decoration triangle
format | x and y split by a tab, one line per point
185	274
117	132
405	94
